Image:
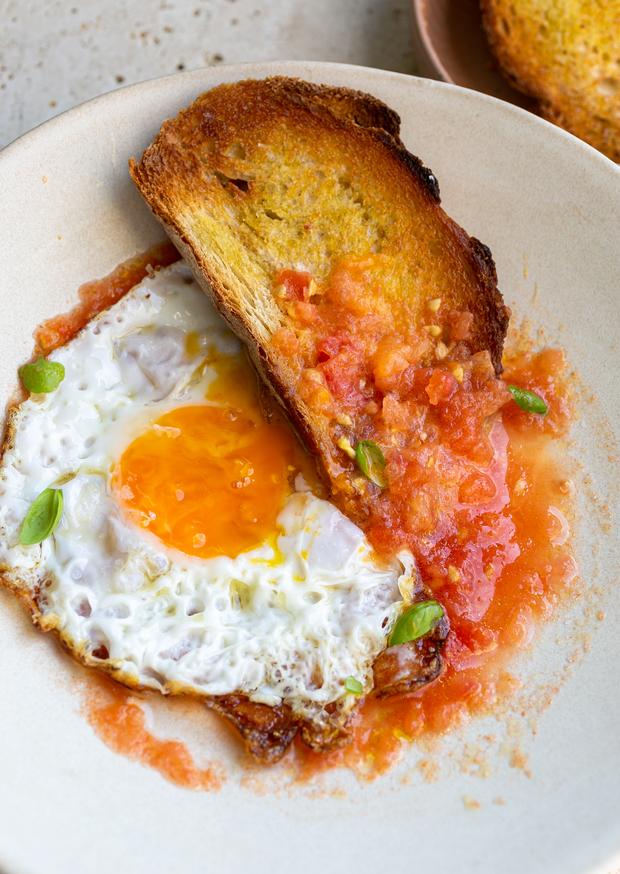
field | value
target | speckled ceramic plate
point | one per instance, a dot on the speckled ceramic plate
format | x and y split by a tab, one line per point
541	200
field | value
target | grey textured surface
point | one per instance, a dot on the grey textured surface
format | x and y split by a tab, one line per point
55	54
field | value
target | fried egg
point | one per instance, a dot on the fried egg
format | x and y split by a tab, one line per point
192	553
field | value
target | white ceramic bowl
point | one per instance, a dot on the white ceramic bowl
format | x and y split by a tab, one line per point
536	196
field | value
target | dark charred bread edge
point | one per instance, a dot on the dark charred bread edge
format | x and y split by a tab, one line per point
346	104
495	314
350	108
492	314
411	162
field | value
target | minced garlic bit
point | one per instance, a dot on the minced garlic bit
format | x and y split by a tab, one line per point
433	330
345	444
344	420
433	305
520	486
313	288
457	371
280	291
453	574
441	350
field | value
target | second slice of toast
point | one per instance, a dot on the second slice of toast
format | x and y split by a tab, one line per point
567	56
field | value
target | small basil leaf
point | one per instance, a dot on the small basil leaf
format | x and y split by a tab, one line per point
42	517
353	685
42	376
371	462
416	622
527	400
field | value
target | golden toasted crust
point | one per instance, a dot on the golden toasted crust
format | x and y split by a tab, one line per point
262	175
259	176
567	55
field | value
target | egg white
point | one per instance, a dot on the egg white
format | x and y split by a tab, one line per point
285	625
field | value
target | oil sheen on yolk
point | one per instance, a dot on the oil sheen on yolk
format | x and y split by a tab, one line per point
210	480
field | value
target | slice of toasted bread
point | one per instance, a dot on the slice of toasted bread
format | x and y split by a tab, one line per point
567	55
260	176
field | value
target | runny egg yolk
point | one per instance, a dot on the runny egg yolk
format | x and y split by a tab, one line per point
210	480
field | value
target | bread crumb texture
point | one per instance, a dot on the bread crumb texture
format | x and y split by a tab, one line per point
565	53
258	176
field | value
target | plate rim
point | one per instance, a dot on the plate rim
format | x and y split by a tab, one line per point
30	139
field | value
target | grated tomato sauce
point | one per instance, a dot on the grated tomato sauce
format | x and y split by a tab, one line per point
491	617
476	487
100	294
487	536
117	718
